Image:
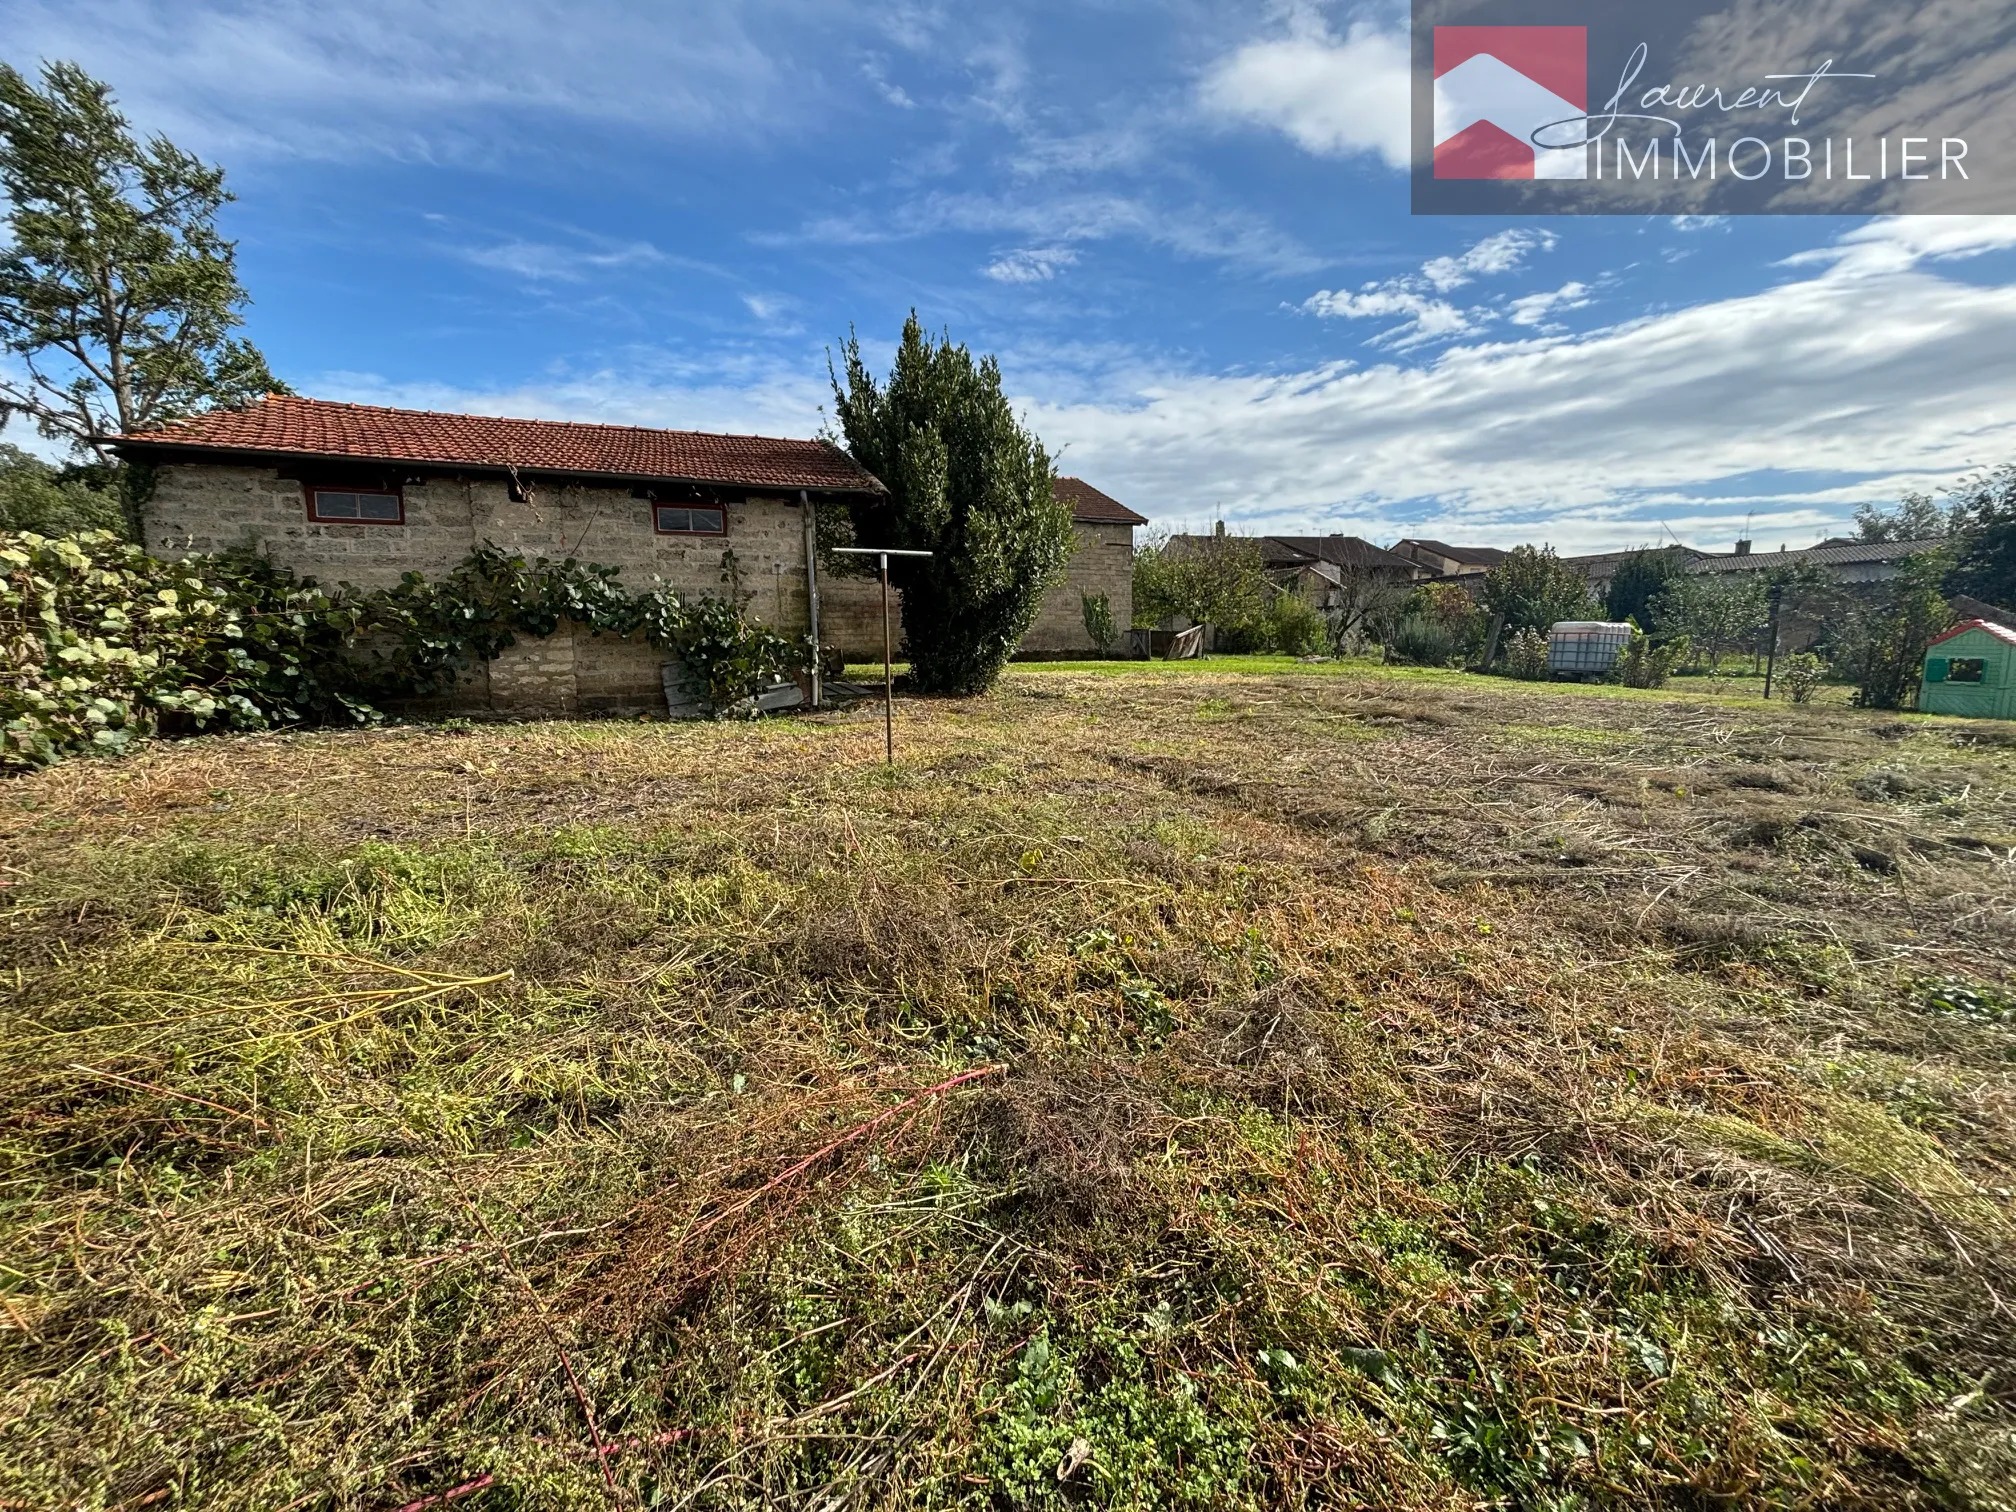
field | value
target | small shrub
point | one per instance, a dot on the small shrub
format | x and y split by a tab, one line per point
1526	655
1803	674
1294	627
1422	642
1644	665
1098	612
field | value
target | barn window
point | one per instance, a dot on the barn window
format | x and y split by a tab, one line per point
1972	669
690	519
356	506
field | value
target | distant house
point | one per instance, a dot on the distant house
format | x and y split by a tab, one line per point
1320	567
1848	561
1334	573
362	494
1444	560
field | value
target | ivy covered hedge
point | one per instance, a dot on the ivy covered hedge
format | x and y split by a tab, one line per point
102	645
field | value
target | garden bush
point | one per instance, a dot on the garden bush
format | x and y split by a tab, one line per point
102	644
1422	642
1526	655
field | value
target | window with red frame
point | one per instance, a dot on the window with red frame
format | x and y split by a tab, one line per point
356	506
690	519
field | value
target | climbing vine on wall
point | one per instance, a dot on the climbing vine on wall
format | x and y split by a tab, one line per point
102	645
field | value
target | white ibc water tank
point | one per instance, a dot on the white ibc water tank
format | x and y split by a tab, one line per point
1586	647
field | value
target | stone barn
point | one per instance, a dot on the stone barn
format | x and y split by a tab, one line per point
362	494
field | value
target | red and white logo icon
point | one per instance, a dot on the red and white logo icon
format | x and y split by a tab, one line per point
1497	85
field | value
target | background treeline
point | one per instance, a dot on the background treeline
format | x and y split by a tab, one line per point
1869	635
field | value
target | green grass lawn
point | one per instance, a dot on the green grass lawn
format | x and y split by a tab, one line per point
1729	684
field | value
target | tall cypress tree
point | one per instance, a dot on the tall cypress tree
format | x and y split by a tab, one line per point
968	483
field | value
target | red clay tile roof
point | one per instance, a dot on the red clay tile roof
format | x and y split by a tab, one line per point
1094	507
287	425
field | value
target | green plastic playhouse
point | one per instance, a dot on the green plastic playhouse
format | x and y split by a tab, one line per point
1971	669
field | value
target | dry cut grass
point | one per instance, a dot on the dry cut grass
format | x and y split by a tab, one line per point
1213	1091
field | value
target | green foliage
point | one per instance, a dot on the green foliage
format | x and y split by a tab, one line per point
1127	1441
725	656
1984	522
1526	655
1881	645
1421	641
1644	665
1715	611
1534	591
1098	613
1917	518
1213	580
1640	578
1293	626
103	645
1803	673
54	501
968	483
118	297
1456	610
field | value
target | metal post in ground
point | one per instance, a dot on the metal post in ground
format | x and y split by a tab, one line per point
888	644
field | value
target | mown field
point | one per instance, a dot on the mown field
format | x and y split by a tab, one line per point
1174	1089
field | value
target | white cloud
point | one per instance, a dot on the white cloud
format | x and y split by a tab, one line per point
1330	95
1793	404
1889	244
743	395
453	79
1854	383
1501	252
1423	318
1061	219
1030	265
1534	309
1414	297
551	262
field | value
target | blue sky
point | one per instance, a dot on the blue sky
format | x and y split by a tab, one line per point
1183	227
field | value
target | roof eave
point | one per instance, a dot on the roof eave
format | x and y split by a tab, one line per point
129	447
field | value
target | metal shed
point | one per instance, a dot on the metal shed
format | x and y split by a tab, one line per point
1971	669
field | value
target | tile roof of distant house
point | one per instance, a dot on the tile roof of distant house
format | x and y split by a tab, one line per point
286	425
1849	554
1301	551
1601	559
1340	550
1093	507
1470	556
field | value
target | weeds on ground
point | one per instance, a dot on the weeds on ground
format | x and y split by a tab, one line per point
1361	1099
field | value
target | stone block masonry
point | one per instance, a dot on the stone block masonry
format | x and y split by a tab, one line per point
850	608
201	507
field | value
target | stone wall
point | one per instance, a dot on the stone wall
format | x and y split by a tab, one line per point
1103	563
850	608
201	507
850	617
206	507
